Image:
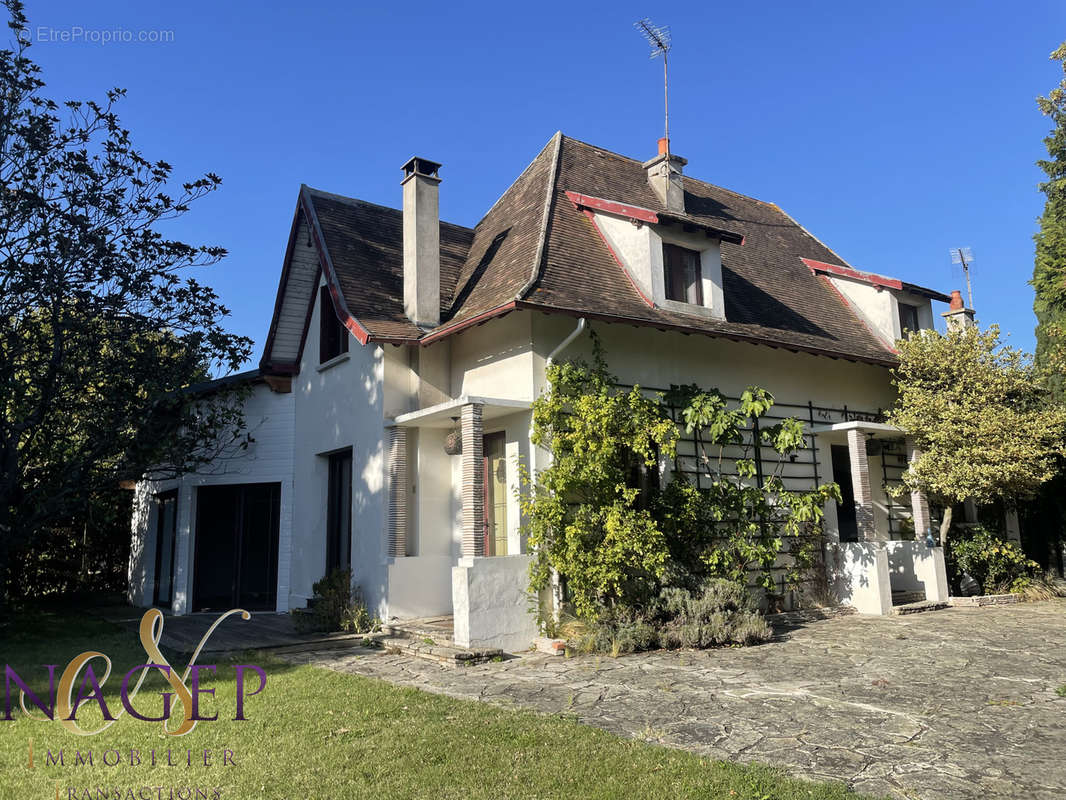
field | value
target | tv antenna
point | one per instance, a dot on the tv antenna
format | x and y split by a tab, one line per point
964	256
658	37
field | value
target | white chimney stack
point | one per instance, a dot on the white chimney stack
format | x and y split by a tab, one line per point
421	242
664	175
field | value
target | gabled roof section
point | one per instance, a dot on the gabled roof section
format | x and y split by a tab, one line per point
771	297
536	248
358	246
508	243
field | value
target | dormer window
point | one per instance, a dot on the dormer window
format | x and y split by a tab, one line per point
332	335
683	277
908	318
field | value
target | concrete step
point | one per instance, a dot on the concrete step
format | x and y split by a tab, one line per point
431	650
919	607
906	598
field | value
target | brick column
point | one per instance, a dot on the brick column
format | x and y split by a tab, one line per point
397	492
919	505
473	481
860	484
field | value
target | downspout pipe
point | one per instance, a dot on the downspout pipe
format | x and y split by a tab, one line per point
581	324
556	583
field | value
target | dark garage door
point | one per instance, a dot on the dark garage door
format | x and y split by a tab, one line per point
237	547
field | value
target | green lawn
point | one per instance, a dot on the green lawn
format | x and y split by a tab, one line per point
318	734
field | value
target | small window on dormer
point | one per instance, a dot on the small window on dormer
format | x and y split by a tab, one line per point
332	335
908	318
682	274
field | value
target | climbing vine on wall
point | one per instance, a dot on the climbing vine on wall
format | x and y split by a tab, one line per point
619	523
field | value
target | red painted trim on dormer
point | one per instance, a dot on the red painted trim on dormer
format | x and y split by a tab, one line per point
339	305
592	221
584	201
880	281
855	312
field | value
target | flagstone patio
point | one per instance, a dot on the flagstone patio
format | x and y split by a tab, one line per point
956	704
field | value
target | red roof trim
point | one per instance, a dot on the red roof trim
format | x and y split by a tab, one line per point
584	201
879	281
592	219
339	305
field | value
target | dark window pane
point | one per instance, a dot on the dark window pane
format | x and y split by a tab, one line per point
332	335
908	318
682	274
339	512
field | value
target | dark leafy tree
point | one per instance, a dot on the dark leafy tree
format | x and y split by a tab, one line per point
1049	272
1047	518
101	324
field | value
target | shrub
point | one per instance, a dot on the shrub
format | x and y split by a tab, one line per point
720	612
997	564
337	605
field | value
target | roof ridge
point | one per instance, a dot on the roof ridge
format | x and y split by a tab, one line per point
545	222
686	177
518	177
359	202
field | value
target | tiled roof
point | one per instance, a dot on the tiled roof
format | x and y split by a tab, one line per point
534	249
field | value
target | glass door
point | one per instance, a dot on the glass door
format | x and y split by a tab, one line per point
495	494
166	534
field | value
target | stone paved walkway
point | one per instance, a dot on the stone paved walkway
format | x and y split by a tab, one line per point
953	704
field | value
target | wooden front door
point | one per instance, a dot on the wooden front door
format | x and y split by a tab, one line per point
495	460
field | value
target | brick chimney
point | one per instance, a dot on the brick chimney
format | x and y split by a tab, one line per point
421	242
958	316
664	175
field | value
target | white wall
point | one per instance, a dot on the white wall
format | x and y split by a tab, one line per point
495	359
914	567
492	604
640	249
659	359
879	308
858	576
268	420
338	407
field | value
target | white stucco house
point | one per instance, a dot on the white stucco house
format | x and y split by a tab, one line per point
390	413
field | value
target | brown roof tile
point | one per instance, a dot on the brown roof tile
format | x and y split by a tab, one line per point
534	232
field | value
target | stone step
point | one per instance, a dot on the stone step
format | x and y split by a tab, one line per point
917	608
423	633
449	654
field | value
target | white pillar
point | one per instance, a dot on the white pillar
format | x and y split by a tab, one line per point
919	503
860	484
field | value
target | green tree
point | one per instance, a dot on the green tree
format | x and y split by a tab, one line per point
101	326
1049	271
982	416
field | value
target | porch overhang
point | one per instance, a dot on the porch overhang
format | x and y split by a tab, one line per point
443	415
873	430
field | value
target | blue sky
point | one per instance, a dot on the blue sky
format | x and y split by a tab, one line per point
891	131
